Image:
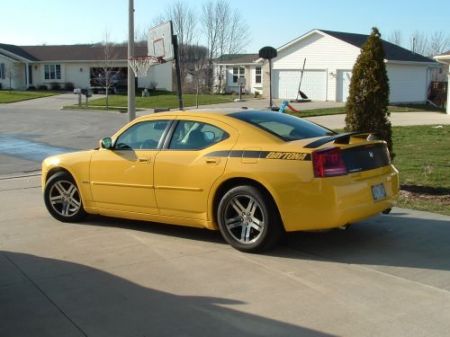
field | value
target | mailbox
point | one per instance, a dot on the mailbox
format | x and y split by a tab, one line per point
86	92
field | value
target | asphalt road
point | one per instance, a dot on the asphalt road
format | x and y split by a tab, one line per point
387	276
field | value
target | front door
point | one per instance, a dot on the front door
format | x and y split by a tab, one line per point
186	170
122	177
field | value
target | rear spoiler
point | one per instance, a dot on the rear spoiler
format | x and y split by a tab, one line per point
340	138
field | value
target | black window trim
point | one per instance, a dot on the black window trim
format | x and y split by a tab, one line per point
161	142
173	127
285	139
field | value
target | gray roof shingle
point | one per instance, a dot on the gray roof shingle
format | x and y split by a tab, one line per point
80	52
391	51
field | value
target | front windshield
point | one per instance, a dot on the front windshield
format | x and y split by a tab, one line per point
284	126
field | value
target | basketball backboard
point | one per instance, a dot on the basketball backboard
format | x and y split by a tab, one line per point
160	41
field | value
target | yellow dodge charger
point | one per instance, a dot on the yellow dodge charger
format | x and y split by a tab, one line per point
251	174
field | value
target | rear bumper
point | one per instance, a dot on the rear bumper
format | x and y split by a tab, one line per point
337	201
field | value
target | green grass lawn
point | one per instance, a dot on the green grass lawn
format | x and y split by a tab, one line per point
162	100
7	96
341	110
423	159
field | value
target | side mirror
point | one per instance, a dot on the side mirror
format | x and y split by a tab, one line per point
106	143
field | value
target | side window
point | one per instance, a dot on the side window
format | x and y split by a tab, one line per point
190	135
142	136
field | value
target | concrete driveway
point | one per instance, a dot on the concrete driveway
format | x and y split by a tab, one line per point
387	276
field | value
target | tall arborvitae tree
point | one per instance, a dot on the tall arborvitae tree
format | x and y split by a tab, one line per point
367	104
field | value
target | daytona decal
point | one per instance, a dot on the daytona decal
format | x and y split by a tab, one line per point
286	155
262	155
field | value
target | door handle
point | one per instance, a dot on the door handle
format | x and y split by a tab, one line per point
144	160
212	160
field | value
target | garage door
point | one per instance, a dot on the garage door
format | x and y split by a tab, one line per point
314	84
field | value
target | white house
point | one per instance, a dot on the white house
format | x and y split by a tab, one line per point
330	57
22	67
445	59
229	68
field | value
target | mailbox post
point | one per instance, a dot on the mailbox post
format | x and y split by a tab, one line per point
87	93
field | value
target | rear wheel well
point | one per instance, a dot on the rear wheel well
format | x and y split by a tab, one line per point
229	184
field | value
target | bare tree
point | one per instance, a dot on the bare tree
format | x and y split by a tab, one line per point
106	75
225	30
395	37
184	24
197	62
418	43
439	43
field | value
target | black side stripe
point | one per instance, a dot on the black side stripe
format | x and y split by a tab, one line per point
262	155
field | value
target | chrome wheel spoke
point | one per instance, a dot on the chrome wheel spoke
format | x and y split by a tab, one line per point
256	224
57	199
65	209
251	207
75	203
71	191
237	206
60	188
234	222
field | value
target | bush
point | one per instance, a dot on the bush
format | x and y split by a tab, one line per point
68	86
42	87
31	88
55	86
367	104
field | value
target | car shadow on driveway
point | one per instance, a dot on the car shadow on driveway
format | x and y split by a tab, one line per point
397	240
76	300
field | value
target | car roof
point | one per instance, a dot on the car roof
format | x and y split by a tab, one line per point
202	113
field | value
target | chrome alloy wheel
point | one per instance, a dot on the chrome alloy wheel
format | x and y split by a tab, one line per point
65	198
244	219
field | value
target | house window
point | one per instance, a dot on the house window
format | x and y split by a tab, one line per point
2	71
52	72
238	72
258	75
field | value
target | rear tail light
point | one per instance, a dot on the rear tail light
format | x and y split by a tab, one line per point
328	163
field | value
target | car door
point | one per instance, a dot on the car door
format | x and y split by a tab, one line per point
122	177
187	168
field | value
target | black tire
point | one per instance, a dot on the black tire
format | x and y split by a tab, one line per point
248	219
63	199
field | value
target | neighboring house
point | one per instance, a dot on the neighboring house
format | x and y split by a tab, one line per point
445	59
229	68
330	57
35	66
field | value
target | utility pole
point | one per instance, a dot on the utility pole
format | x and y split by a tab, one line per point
131	76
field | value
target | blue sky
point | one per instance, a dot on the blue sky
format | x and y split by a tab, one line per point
271	22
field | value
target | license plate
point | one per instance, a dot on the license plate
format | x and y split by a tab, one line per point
378	192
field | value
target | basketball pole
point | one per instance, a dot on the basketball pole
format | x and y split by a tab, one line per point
131	76
177	68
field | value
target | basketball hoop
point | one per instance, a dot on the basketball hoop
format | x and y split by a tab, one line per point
141	64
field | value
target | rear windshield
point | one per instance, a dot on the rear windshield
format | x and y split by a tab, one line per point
284	126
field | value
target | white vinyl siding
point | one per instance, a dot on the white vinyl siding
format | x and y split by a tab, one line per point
322	53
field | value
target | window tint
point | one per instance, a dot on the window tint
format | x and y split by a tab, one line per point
284	126
142	136
190	135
